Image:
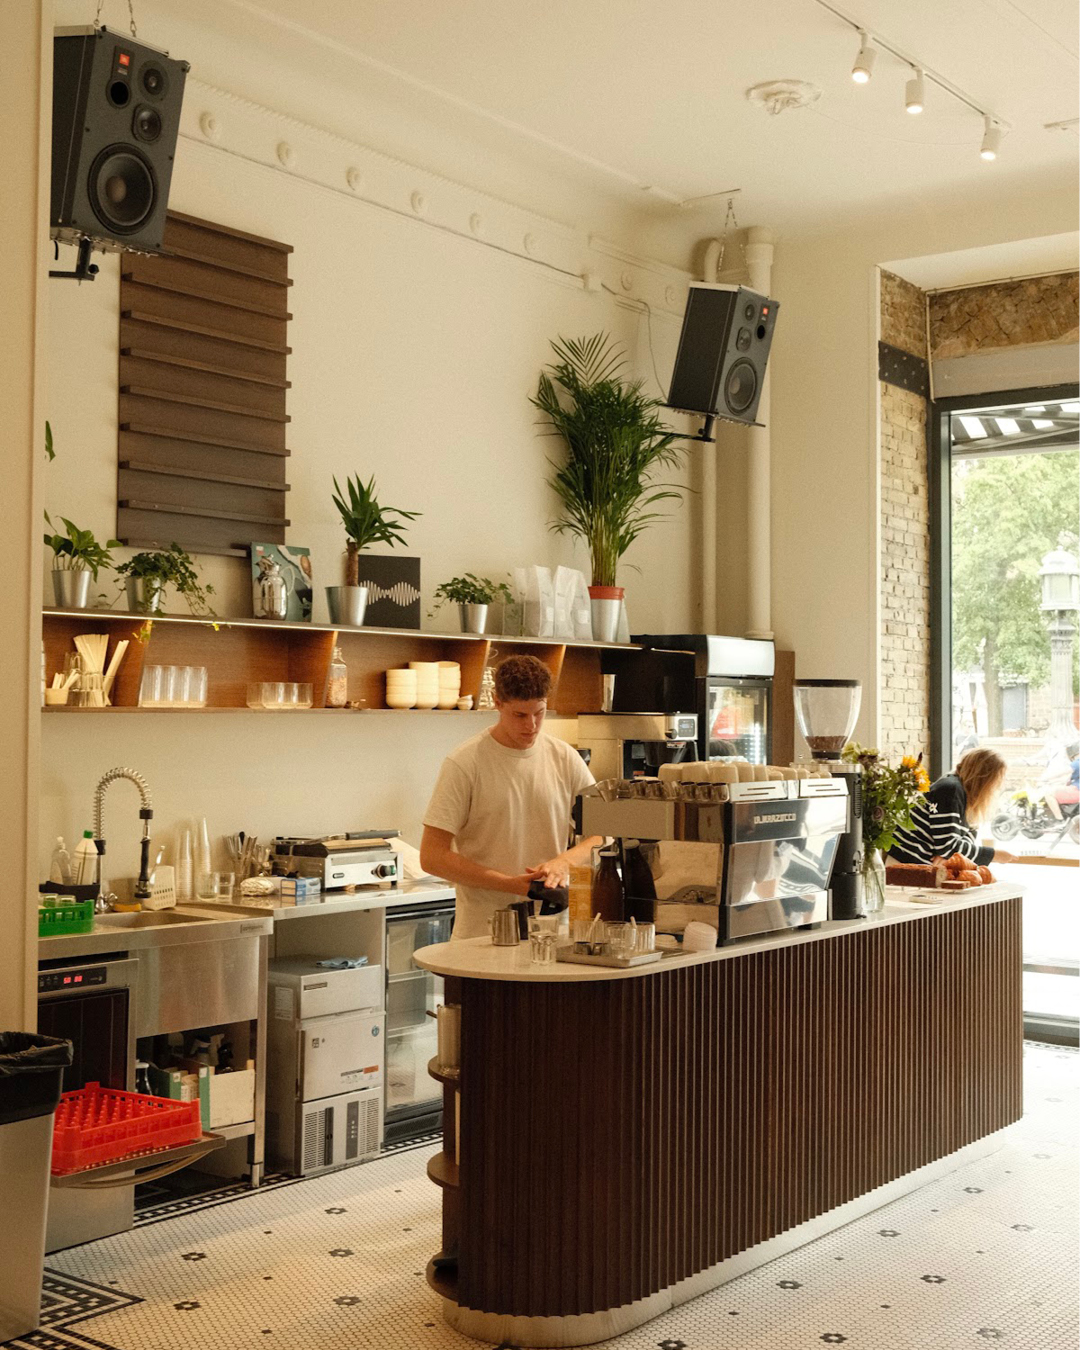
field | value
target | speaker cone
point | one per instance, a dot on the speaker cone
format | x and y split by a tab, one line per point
154	80
740	386
122	189
146	124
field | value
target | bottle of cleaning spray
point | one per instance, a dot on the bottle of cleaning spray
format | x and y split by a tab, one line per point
86	860
60	866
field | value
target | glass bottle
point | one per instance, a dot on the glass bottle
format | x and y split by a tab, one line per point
640	888
337	683
607	891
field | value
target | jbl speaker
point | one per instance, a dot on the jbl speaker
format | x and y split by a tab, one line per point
116	115
720	365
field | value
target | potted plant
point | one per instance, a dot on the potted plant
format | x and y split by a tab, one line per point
472	595
366	522
146	576
77	556
615	443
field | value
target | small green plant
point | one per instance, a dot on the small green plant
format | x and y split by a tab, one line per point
469	590
169	567
50	453
366	522
78	550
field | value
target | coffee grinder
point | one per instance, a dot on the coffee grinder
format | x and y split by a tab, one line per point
826	711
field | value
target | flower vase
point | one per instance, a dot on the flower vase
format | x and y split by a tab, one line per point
873	872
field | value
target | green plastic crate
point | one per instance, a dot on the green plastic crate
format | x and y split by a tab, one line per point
69	916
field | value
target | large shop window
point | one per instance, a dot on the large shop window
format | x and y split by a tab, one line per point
1005	472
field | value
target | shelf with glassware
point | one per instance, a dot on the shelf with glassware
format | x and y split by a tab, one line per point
239	652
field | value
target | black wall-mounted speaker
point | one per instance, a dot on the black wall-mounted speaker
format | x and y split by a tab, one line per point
116	116
724	348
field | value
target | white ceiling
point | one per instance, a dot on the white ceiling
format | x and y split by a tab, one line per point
638	93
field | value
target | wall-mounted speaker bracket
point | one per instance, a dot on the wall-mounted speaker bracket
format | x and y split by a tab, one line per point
706	432
85	270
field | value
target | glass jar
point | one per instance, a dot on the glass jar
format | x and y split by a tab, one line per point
873	872
337	684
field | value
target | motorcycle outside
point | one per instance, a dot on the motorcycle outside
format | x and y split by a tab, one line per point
1027	813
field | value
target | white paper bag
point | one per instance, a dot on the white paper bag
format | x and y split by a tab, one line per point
581	610
538	590
564	588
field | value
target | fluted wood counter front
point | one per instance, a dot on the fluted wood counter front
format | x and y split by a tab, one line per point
623	1140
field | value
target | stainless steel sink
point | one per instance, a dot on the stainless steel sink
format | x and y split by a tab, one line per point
145	918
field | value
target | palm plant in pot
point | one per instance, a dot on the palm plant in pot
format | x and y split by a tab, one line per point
146	575
615	444
77	557
366	522
472	595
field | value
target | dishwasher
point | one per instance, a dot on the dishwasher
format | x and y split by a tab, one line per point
413	1098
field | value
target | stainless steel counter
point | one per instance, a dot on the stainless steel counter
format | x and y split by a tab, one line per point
147	929
333	902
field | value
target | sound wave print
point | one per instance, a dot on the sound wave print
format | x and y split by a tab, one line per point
401	593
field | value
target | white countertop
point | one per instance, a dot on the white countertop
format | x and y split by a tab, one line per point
478	959
337	902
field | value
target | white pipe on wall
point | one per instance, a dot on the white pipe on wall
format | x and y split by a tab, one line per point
709	505
759	259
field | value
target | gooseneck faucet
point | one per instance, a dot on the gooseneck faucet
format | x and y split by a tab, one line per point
146	814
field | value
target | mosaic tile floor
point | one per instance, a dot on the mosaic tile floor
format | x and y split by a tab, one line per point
985	1255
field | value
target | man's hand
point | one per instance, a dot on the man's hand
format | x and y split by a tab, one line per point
1000	856
555	873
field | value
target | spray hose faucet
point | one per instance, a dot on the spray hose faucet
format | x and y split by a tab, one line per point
146	814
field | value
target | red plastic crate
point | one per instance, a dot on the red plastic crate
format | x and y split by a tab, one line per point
98	1125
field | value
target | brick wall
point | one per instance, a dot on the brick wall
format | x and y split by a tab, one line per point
1006	314
904	577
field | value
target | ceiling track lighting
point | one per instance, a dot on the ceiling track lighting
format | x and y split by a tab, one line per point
864	62
991	141
915	94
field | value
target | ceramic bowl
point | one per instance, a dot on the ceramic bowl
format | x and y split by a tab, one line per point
400	700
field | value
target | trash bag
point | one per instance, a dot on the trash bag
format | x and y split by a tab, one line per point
31	1074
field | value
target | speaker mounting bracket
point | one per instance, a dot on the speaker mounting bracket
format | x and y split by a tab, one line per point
85	270
706	433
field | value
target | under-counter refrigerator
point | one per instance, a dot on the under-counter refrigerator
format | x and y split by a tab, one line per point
413	1097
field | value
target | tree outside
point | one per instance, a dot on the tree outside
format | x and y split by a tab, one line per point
1007	512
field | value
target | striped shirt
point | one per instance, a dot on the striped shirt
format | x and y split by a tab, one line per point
939	827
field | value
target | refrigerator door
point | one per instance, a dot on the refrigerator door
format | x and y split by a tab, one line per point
340	1054
737	719
411	994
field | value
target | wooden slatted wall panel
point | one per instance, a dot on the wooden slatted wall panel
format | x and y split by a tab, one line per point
203	348
618	1137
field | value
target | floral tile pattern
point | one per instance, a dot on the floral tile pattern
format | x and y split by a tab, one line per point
985	1256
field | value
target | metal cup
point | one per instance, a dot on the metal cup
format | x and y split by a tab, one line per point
505	930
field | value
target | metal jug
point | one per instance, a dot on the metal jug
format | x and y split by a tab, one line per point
504	928
271	591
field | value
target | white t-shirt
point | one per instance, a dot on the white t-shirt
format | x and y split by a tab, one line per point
507	809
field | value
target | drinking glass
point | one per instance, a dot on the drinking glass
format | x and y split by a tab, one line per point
303	696
215	885
290	695
542	948
150	687
196	686
273	694
181	686
255	695
619	937
168	687
645	937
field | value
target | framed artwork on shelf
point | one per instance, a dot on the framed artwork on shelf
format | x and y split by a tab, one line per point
281	582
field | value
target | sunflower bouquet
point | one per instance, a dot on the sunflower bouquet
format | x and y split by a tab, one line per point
889	794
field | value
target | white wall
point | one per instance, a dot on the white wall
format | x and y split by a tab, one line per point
825	390
415	350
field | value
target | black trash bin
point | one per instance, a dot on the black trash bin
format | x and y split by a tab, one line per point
31	1074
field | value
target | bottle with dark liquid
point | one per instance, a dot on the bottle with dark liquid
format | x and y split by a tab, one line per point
638	884
607	890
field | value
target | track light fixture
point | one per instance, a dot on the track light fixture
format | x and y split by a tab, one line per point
914	95
991	141
864	62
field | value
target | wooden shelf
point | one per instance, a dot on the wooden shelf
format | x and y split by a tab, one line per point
239	651
442	1171
170	471
443	1281
131	274
203	513
189	255
452	1077
270	712
141	429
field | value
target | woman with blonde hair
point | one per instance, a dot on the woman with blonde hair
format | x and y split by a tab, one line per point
942	820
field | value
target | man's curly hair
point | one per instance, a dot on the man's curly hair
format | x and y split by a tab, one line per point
521	679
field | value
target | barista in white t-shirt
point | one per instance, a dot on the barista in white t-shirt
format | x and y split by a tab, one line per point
499	818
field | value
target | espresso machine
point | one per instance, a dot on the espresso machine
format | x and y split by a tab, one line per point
746	858
826	711
635	744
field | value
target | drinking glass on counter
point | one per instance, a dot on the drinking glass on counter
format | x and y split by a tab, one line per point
619	937
196	686
542	948
215	885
